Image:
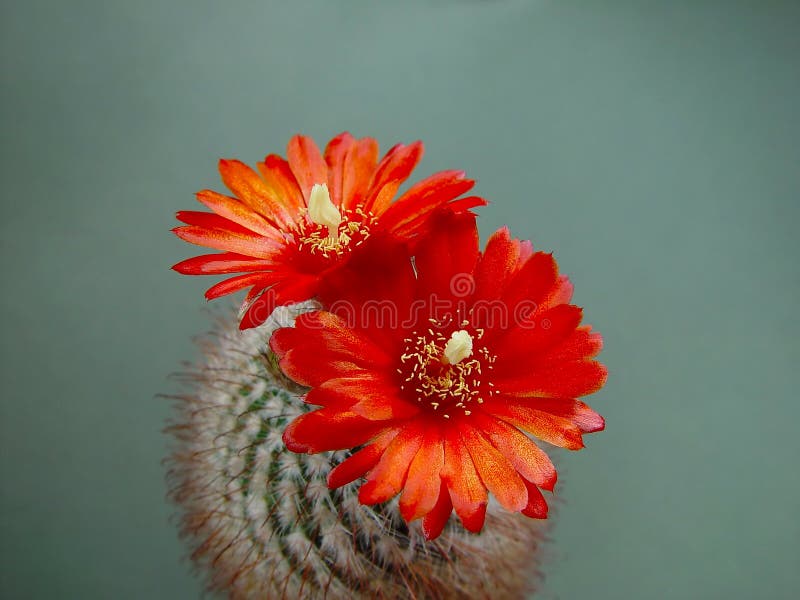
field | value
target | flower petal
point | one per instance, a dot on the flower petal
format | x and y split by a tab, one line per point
282	293
446	258
467	492
249	244
277	174
370	395
583	343
307	164
238	213
554	379
530	461
394	169
576	411
335	152
434	522
497	474
424	197
537	505
322	430
254	192
533	335
545	426
217	264
234	284
422	484
386	480
359	167
358	464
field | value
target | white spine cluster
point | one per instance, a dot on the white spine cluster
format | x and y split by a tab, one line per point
262	523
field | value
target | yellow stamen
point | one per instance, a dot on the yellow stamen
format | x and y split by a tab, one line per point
323	212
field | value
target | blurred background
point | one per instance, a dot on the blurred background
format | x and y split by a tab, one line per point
653	146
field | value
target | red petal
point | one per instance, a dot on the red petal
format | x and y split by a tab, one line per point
394	168
467	491
560	294
497	265
422	485
321	333
210	221
532	336
497	474
545	426
307	164
255	193
216	264
323	430
532	284
362	461
527	458
581	344
446	258
554	379
388	476
423	197
249	244
234	284
369	395
537	506
283	293
434	522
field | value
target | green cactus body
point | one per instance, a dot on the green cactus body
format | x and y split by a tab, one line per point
262	523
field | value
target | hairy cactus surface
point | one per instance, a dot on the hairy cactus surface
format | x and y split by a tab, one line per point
262	523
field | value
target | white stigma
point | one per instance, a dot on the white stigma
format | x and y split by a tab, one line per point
322	211
458	347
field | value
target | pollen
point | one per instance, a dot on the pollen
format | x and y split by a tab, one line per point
447	372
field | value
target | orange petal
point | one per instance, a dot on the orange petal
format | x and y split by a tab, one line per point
278	176
422	485
388	476
467	492
549	428
335	152
359	166
424	197
255	193
497	474
395	167
307	164
527	458
238	213
249	244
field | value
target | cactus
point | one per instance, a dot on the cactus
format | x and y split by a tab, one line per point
262	523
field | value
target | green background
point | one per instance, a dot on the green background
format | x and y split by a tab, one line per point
653	146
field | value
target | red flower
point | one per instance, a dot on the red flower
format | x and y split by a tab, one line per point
292	224
435	403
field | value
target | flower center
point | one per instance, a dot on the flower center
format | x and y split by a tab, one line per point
447	372
326	230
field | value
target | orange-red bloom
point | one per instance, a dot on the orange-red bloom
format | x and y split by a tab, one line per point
288	227
436	398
